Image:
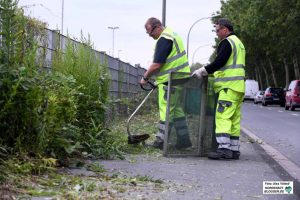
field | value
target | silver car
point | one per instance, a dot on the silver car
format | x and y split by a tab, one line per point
258	96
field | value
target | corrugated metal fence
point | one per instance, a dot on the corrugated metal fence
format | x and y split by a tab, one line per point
124	77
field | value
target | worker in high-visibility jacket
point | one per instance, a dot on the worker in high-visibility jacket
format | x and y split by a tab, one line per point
169	56
229	85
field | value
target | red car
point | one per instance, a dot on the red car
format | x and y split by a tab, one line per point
292	97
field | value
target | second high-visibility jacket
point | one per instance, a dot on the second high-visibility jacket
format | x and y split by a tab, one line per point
177	60
232	74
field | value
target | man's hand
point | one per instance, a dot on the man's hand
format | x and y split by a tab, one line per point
199	73
143	81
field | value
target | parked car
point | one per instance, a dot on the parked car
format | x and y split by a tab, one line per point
258	96
273	96
251	88
292	97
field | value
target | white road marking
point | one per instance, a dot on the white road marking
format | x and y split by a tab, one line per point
280	111
283	161
295	114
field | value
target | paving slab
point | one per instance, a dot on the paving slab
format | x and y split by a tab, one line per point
201	178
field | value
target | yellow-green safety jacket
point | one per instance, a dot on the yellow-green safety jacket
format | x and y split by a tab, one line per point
232	74
177	60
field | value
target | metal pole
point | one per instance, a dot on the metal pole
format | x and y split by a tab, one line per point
164	13
119	53
188	37
62	17
113	48
113	40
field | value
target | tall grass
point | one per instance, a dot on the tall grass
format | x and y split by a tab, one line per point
92	79
58	113
80	61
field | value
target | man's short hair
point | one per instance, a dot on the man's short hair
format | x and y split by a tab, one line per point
154	22
225	22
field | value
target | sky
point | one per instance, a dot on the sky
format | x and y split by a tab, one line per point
131	43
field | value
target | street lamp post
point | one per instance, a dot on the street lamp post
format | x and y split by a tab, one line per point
188	37
113	41
119	53
62	17
198	49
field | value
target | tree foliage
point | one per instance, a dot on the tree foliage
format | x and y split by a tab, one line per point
270	33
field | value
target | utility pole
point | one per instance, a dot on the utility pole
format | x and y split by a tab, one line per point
164	13
113	40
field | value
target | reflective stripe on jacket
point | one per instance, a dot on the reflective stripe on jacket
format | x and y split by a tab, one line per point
232	75
177	60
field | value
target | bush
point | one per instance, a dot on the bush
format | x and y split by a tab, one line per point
58	113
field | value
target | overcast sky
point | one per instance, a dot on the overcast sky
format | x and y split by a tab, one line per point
132	44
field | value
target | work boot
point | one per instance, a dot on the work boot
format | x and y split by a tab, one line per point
220	154
158	143
183	143
236	155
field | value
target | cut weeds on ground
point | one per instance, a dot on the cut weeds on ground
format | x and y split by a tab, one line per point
26	179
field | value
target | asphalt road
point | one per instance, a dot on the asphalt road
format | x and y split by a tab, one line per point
275	126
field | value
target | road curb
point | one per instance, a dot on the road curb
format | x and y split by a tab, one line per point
290	167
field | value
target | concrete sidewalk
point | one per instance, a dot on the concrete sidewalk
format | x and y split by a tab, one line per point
200	178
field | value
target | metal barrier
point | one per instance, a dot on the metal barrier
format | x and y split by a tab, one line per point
124	76
194	100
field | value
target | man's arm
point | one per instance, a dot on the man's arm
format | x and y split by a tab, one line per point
154	67
223	54
162	50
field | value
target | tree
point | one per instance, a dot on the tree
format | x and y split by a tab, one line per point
269	32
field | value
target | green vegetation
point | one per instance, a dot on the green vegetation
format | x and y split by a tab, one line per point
56	117
53	117
270	33
39	176
58	113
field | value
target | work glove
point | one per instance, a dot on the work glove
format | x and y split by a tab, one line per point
199	73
